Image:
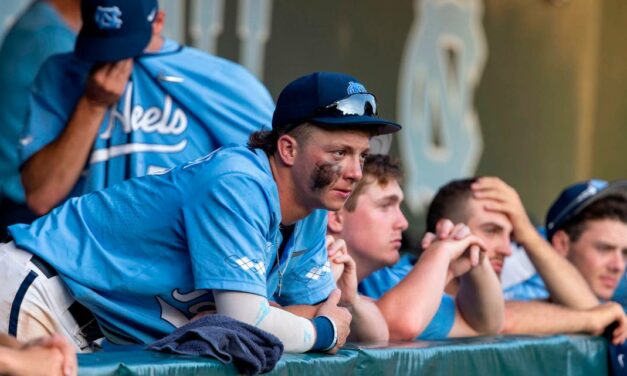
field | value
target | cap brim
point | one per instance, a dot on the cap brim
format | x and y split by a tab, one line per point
615	187
100	49
381	126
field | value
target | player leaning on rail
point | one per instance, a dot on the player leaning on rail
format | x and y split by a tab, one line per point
233	231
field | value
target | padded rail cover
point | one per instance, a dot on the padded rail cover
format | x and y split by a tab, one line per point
500	355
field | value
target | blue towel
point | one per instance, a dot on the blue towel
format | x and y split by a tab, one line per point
250	349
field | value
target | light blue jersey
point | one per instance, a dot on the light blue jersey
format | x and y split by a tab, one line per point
620	295
532	288
379	282
535	289
178	105
141	255
37	34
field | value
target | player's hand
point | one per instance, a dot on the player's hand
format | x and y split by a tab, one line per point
445	229
57	342
106	82
606	314
504	199
340	316
344	271
335	249
465	250
46	356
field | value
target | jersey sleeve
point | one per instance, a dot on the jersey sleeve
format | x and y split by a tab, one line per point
249	103
381	281
227	98
443	320
50	41
53	96
309	279
227	227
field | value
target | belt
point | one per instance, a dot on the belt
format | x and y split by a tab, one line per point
84	318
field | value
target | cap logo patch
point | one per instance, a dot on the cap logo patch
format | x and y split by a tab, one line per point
151	16
355	88
108	18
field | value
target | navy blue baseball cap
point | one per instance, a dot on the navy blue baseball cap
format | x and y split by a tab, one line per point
330	99
577	197
114	29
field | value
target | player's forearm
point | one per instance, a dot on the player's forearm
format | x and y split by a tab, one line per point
9	341
51	173
297	333
306	311
563	281
368	324
535	317
480	299
6	366
409	306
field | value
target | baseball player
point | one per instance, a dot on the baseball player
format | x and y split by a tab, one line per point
587	225
44	29
494	212
410	291
228	232
129	102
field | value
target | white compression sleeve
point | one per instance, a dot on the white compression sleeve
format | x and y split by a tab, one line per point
297	333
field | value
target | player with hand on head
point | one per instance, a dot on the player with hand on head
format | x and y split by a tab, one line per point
44	28
409	292
581	266
230	232
129	102
494	212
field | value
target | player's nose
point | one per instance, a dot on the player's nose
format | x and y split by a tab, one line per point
353	169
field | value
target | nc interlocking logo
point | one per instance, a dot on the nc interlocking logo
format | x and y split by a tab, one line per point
442	63
108	18
355	88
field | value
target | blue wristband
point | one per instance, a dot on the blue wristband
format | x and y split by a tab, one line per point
326	334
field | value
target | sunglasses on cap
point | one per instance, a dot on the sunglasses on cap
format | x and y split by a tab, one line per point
361	104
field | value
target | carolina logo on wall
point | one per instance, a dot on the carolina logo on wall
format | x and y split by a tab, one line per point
442	63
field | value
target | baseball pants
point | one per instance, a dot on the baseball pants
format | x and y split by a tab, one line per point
34	302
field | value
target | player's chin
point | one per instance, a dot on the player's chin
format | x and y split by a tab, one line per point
333	201
388	256
394	256
604	293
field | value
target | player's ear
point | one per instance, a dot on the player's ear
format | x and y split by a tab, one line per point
335	222
157	24
561	242
287	149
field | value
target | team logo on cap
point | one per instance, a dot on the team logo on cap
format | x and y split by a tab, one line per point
108	17
151	15
355	88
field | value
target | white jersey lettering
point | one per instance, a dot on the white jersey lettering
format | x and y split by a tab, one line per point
153	119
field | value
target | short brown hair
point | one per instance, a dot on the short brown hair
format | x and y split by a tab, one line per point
450	202
612	207
266	140
377	168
